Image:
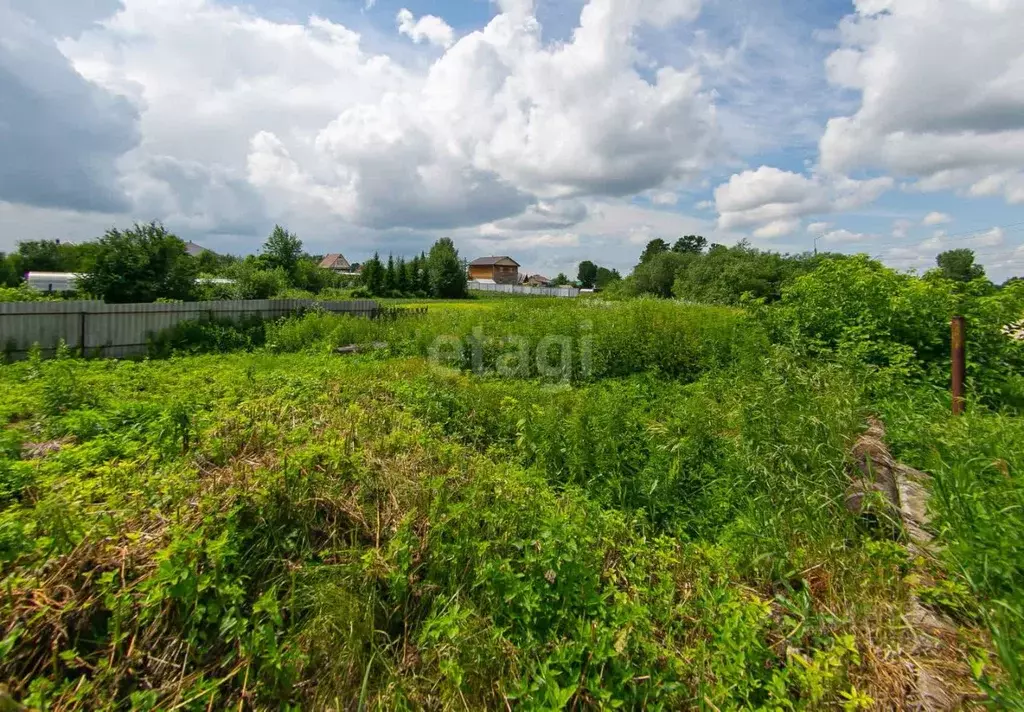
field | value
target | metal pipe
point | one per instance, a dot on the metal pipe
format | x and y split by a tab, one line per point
959	363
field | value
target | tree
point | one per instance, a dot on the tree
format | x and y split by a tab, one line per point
142	264
690	244
587	274
282	249
447	273
606	276
560	280
373	275
401	276
389	276
412	274
424	283
309	276
958	265
654	247
254	282
212	264
10	276
658	274
40	256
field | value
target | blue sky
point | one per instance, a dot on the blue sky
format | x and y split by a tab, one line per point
550	130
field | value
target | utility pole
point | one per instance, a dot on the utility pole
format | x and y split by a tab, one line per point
816	245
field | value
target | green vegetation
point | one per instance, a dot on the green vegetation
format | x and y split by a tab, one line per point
517	503
142	264
146	263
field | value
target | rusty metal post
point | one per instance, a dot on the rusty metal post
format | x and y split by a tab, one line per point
957	328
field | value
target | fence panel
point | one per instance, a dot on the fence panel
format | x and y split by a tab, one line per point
117	330
568	292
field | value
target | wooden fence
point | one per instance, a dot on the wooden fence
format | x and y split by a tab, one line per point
117	330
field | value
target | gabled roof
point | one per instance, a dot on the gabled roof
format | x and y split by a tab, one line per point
335	261
491	261
194	250
537	278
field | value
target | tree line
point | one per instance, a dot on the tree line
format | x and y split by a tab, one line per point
692	270
146	263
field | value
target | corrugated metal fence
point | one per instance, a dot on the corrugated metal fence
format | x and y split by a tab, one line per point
116	330
516	289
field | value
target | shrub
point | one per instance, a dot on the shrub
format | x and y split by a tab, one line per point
862	312
208	336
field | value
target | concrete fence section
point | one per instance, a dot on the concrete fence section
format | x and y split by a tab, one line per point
516	289
117	330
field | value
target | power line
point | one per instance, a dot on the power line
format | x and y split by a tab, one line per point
969	234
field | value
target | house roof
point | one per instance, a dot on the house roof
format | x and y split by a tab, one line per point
491	261
193	249
537	278
334	260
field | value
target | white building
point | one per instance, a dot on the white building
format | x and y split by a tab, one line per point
52	281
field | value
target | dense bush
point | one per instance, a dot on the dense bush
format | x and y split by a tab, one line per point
721	275
863	312
141	264
208	336
23	293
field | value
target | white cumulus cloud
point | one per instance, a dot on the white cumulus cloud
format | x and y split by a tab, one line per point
428	28
304	117
942	94
773	201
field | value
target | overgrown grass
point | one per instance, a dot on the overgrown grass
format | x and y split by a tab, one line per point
977	461
662	529
579	341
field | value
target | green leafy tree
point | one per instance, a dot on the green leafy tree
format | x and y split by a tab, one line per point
958	265
606	276
654	247
724	275
252	281
447	272
41	256
142	264
690	244
587	274
560	280
657	275
309	276
10	276
213	265
282	249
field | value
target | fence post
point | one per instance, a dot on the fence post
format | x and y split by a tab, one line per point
81	333
957	334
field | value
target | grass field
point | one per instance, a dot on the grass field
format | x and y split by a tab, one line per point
530	504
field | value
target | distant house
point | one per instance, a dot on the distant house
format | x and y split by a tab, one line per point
500	270
194	250
336	263
537	280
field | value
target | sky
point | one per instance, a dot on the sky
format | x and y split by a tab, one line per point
552	131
